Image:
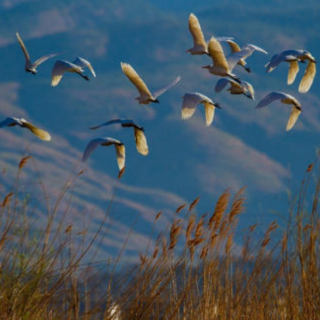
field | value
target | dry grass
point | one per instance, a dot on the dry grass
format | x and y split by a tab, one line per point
194	271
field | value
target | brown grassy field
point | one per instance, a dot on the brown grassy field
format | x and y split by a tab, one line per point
195	270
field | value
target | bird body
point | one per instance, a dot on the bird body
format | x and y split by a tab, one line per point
12	121
140	138
192	100
145	97
293	57
32	66
62	66
223	66
285	99
119	146
243	87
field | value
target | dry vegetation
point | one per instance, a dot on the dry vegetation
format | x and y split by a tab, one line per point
194	270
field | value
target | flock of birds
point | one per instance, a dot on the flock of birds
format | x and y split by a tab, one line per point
223	66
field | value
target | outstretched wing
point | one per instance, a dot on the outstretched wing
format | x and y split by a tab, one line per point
209	112
234	58
248	86
196	32
295	113
234	47
256	48
121	155
272	96
141	141
221	84
136	80
307	78
167	87
92	145
23	47
217	54
293	70
10	121
124	122
43	135
59	68
84	63
189	104
43	59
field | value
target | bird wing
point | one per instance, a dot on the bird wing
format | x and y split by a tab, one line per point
43	135
23	47
121	155
272	96
294	115
167	87
141	141
92	145
195	30
307	78
209	112
120	121
221	84
136	80
234	58
216	52
189	104
234	47
59	68
256	48
43	59
9	122
293	70
84	63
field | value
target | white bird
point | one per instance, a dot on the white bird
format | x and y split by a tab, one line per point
286	99
293	57
200	46
146	96
119	146
236	48
235	87
11	122
222	65
140	138
62	66
190	103
32	66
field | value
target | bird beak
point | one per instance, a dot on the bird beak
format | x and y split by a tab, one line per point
205	67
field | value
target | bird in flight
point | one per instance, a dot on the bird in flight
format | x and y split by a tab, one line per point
62	66
146	97
119	146
11	122
140	138
200	46
286	99
234	47
222	65
293	57
190	103
244	87
32	66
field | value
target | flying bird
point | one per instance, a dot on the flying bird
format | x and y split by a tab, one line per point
190	103
139	136
293	57
234	47
222	65
119	146
62	66
32	66
235	88
146	96
200	46
11	122
286	99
